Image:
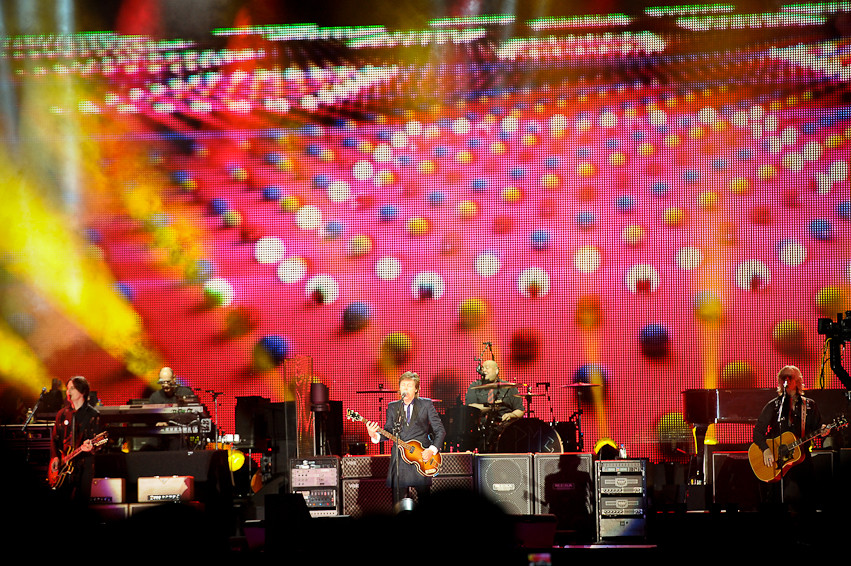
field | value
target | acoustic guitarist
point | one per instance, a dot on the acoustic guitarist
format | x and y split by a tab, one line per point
791	412
76	424
410	418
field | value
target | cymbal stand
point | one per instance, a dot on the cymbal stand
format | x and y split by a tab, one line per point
546	385
577	418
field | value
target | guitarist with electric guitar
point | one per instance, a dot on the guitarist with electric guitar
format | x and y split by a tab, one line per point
416	429
776	453
75	436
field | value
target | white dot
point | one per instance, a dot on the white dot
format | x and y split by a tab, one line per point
308	217
362	170
689	258
642	277
750	272
388	268
292	270
792	252
269	250
487	264
587	259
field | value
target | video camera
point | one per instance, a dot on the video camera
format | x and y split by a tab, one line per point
836	333
840	329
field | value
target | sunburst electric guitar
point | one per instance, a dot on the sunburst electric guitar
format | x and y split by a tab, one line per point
55	478
412	450
787	452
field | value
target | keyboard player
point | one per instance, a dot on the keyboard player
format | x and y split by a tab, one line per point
170	392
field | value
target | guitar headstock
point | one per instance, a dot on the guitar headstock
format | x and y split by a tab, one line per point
351	415
100	439
840	421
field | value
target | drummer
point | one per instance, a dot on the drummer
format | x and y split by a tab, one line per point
491	394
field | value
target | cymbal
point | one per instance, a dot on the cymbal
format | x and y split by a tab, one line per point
530	394
578	385
495	385
364	391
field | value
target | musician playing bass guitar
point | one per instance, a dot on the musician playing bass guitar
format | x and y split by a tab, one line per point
410	418
791	412
76	424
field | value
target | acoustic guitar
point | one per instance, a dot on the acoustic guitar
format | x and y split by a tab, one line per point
66	468
411	450
787	452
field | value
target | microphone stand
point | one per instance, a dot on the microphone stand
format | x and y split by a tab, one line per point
397	431
780	423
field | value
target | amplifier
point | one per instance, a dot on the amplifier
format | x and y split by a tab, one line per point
166	488
365	466
456	464
619	485
317	480
108	490
621	506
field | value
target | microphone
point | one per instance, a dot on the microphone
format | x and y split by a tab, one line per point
486	343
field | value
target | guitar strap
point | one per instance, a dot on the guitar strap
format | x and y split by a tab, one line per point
803	417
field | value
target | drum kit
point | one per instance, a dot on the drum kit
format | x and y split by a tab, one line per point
487	433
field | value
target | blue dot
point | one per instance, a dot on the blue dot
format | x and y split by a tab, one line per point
744	154
843	209
586	219
612	143
516	172
356	316
436	198
552	162
479	185
625	203
271	192
821	229
218	206
334	229
124	290
388	212
659	188
691	176
540	239
654	341
313	150
441	151
321	181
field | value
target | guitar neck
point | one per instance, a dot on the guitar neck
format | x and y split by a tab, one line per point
392	437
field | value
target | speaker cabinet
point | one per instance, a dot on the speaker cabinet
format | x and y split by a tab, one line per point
365	466
733	481
506	479
366	496
564	487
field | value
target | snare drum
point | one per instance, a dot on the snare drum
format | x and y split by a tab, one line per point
529	435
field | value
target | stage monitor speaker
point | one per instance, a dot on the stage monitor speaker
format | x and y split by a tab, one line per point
506	479
733	481
564	487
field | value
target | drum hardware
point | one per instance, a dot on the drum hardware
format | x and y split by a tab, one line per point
528	435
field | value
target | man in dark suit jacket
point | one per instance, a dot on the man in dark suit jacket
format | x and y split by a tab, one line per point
410	418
